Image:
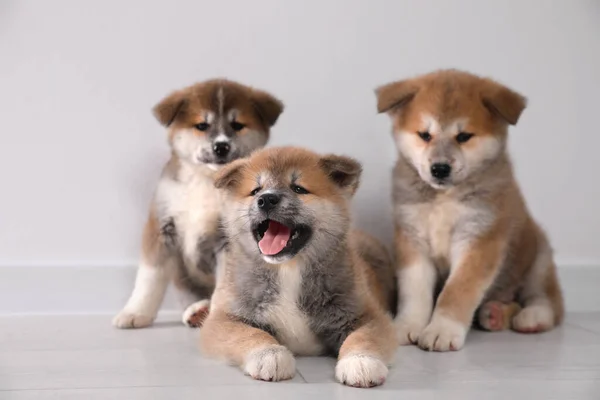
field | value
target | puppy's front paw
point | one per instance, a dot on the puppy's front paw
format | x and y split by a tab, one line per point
195	314
361	371
443	334
408	330
274	363
128	320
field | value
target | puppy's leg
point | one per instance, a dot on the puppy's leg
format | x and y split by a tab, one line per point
151	281
417	277
195	287
541	297
366	353
472	273
194	295
142	307
256	352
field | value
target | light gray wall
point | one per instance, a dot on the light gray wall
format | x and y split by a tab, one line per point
80	151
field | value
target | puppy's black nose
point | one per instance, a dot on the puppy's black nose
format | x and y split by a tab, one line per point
440	170
268	201
221	149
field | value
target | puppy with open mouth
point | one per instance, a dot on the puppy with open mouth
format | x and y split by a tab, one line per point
296	279
209	124
462	226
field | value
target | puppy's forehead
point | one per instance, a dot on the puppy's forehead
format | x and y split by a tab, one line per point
282	166
210	116
274	173
221	98
269	178
434	124
448	105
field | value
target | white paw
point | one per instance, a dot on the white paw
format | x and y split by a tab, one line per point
408	330
274	363
443	334
361	371
195	314
128	320
534	319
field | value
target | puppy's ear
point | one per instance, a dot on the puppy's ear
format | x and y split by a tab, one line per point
395	95
228	176
166	111
502	101
267	107
344	171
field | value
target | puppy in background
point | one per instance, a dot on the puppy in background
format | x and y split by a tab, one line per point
296	278
462	225
209	125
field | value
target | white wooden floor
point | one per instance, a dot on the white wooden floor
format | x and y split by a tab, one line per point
83	357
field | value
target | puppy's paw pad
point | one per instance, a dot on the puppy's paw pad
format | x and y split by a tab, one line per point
408	331
533	319
274	363
361	371
443	334
127	320
195	314
496	316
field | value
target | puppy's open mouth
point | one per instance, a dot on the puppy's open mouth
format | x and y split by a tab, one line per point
275	238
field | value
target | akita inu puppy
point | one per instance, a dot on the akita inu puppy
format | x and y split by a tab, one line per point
462	225
209	125
297	279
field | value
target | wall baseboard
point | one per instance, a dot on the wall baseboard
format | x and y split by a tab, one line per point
103	290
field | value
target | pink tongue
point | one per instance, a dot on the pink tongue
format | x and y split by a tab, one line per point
275	238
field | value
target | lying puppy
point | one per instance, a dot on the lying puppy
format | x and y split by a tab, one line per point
210	124
296	278
460	216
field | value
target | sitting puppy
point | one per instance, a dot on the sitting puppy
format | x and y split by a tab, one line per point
460	216
209	124
296	278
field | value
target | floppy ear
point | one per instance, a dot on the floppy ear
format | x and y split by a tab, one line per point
503	102
267	107
166	111
344	171
229	175
395	95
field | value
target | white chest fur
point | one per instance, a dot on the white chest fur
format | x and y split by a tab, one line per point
443	225
194	204
290	323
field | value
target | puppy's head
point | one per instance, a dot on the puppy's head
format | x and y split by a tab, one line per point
217	121
450	125
287	201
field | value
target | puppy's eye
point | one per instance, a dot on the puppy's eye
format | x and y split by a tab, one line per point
236	126
299	189
426	136
253	193
463	137
202	126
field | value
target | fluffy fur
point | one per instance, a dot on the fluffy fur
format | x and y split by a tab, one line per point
327	292
462	226
209	125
